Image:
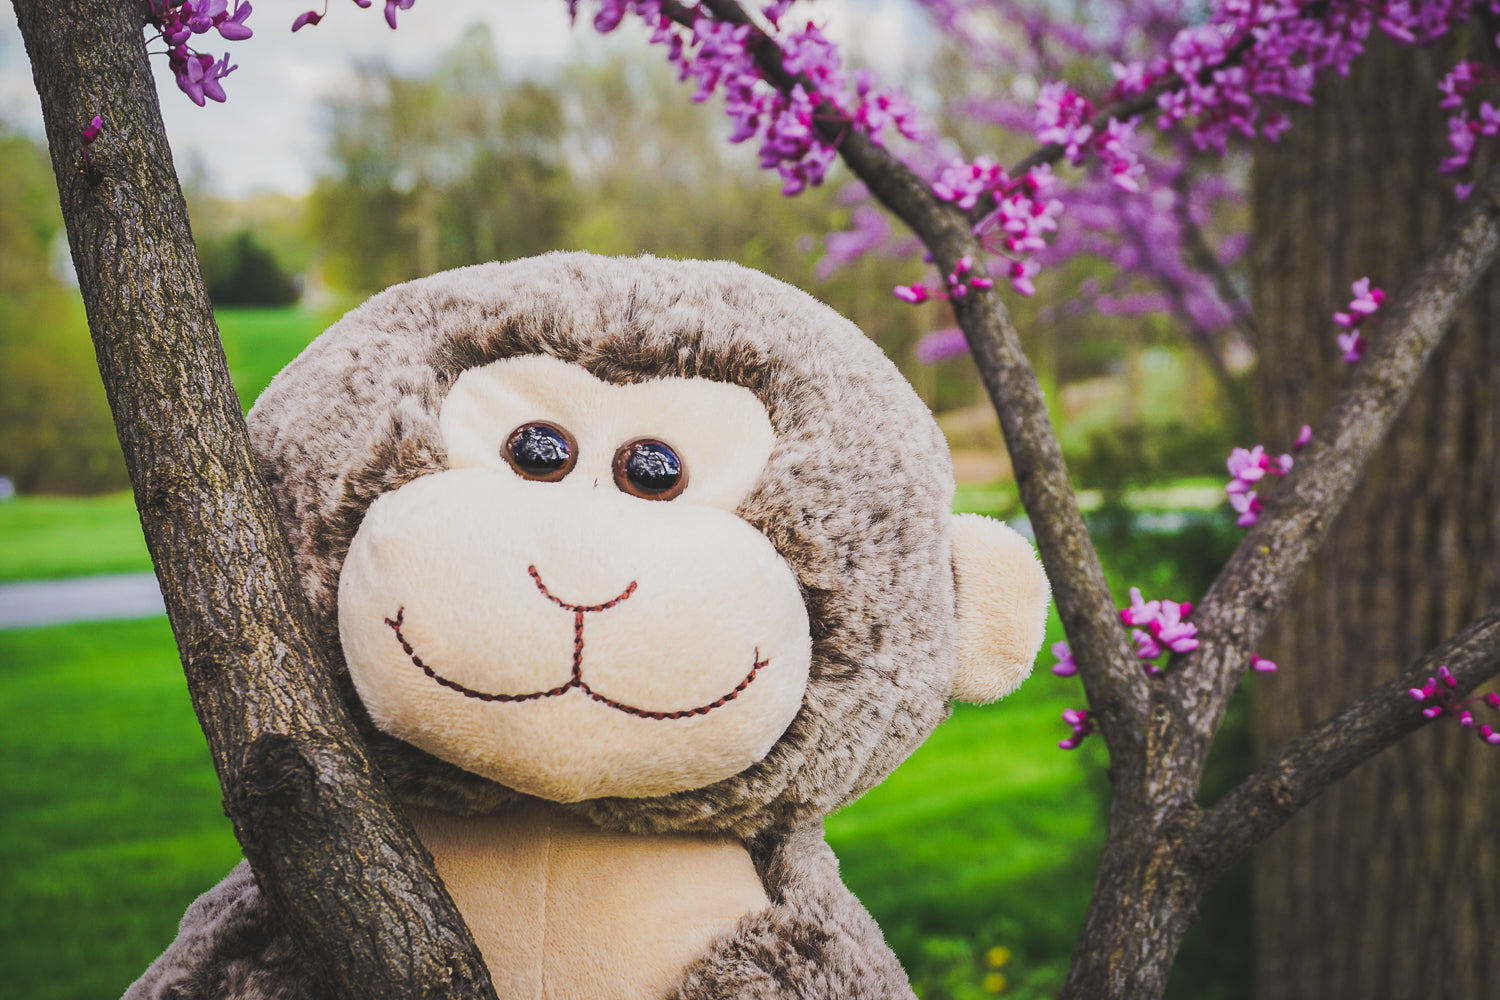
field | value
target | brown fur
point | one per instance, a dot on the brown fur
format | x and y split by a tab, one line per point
856	496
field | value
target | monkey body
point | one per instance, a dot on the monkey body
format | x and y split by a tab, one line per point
635	570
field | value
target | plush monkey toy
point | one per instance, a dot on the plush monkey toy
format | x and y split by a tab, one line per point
637	569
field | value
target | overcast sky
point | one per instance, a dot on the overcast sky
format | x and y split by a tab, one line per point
265	138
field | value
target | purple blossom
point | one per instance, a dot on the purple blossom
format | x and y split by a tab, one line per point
716	57
1123	165
1146	647
1082	723
1365	303
1171	631
1437	699
1141	611
1247	506
1248	467
1261	665
391	6
1352	345
1063	116
1065	665
198	75
1459	83
939	344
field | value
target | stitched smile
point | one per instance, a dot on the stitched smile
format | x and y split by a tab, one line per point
575	683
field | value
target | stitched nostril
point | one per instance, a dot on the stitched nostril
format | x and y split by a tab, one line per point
577	608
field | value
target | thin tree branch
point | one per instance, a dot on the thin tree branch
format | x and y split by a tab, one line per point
1299	513
1202	254
1110	673
1368	725
1133	107
312	814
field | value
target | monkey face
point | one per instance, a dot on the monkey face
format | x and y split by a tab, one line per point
481	458
573	609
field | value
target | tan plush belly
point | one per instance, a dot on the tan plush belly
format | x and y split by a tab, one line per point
561	909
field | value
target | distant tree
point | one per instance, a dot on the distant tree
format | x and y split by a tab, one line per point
58	436
437	171
240	271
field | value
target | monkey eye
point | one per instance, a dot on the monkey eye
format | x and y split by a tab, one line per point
649	469
540	451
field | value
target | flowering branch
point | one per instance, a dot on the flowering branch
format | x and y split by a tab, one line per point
1257	577
1274	793
1108	665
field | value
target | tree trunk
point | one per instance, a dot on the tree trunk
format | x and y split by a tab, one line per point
1389	885
313	816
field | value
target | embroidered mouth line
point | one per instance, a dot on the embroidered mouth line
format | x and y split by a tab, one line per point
576	682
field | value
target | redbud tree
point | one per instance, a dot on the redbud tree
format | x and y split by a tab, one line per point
309	810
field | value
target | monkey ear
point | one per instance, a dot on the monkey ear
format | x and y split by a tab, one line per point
1001	596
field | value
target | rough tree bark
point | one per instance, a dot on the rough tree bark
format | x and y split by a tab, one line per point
1390	885
313	816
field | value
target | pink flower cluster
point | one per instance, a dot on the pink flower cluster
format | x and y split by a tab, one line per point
717	56
1364	304
198	75
1065	117
947	342
313	17
1252	53
1436	697
1246	469
1082	722
1158	627
90	133
1023	212
963	278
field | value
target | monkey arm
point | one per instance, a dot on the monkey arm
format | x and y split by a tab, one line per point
814	941
229	946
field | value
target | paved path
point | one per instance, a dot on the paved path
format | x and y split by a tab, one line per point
85	598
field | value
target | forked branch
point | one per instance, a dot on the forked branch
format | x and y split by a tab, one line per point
1333	748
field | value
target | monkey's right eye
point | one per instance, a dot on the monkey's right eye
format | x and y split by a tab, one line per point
540	451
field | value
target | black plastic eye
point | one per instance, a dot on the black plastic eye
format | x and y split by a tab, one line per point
540	451
649	469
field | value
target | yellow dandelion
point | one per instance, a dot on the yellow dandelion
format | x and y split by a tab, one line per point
994	981
997	956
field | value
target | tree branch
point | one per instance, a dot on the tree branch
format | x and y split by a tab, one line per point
313	815
1368	725
1110	673
1257	577
1133	107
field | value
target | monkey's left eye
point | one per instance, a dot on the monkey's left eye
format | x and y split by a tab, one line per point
649	469
540	451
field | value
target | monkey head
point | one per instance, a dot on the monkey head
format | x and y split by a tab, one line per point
668	543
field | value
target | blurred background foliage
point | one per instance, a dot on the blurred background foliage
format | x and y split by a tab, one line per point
467	163
976	857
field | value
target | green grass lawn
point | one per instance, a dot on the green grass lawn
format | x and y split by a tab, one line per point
44	538
258	343
51	537
986	838
111	821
